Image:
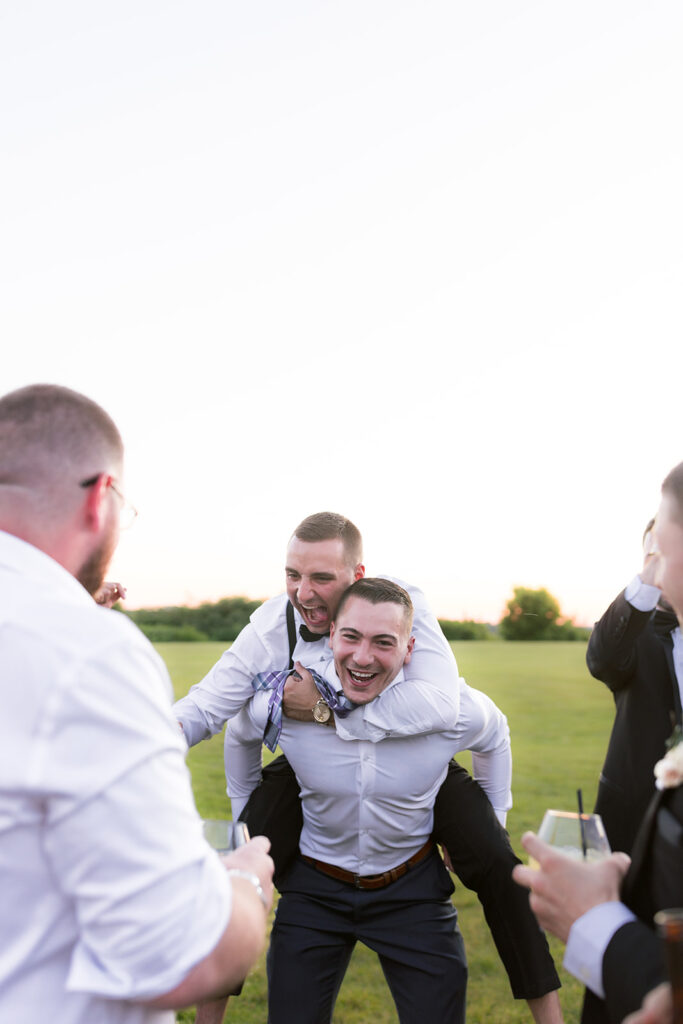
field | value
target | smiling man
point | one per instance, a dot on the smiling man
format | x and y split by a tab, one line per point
368	869
324	557
368	644
318	575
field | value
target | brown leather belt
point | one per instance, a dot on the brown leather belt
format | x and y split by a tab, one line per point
370	881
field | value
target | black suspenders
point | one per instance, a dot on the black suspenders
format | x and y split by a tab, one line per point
291	633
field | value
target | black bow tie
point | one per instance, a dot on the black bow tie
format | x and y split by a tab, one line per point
663	622
309	636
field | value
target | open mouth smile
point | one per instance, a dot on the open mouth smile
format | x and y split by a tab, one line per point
361	678
315	614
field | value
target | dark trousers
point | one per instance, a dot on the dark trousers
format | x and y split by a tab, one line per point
411	925
480	851
483	859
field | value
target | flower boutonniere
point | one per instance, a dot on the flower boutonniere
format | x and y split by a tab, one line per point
669	771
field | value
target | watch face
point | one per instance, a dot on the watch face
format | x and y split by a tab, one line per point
321	711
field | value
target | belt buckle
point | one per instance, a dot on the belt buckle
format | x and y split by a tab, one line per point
357	881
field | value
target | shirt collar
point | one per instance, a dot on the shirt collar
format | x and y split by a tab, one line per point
19	556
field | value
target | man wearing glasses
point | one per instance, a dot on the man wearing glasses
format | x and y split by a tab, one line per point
114	907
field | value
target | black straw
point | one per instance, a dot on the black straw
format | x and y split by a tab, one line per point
579	795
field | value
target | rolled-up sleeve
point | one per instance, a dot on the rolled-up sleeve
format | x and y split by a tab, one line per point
122	834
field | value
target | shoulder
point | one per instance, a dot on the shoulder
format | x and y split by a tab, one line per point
113	648
269	616
264	641
416	595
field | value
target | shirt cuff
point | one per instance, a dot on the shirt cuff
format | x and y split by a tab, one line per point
588	939
642	596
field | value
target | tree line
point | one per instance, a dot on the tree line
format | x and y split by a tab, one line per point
531	615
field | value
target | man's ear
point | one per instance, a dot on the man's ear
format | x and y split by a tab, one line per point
359	572
409	651
331	632
94	505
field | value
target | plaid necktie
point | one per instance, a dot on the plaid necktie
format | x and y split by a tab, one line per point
275	682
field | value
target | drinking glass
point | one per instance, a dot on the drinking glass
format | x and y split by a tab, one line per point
563	830
224	835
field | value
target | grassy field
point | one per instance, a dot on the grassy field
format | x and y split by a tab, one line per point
559	719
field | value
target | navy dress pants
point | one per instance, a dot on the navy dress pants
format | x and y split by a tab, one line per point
411	924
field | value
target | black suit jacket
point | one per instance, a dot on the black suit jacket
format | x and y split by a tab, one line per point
633	963
628	652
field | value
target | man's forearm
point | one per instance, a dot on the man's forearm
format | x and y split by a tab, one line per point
216	698
242	753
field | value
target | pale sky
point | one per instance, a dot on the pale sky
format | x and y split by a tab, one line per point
417	262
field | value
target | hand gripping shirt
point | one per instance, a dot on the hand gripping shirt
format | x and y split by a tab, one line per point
436	695
368	806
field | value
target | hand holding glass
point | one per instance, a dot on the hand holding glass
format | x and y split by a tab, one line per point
580	836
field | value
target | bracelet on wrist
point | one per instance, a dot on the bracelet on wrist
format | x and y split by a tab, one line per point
255	881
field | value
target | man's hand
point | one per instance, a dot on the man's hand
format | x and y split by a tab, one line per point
300	695
657	1008
253	858
110	593
563	889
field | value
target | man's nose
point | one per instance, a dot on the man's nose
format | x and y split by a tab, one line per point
363	654
305	591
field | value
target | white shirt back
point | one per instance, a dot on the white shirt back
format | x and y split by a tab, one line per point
110	893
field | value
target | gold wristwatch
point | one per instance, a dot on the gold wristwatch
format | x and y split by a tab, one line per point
321	711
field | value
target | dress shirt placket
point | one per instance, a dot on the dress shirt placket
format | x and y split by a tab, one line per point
367	791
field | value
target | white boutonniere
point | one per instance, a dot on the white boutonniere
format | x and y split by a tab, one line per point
669	771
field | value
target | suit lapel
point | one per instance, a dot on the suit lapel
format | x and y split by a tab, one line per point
630	887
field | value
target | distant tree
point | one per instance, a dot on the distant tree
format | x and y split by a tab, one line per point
221	620
532	615
159	632
465	630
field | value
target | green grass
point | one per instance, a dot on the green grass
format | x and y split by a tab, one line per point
560	721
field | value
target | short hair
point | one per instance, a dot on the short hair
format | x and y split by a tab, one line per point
330	526
378	591
49	434
673	487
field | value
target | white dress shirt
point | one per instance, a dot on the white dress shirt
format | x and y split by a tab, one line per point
588	939
436	693
263	646
368	806
110	893
644	597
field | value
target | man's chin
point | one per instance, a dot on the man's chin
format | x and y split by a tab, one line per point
359	698
93	571
358	695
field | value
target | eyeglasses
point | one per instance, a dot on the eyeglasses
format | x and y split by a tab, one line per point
127	513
